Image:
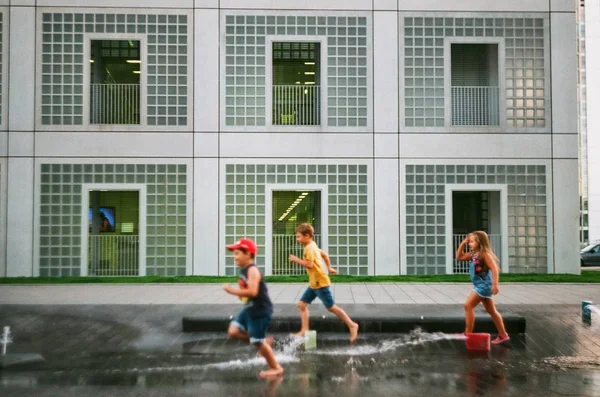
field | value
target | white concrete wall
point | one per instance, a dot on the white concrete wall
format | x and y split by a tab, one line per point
20	244
206	217
387	217
566	217
592	29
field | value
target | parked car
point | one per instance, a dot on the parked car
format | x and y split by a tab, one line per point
590	255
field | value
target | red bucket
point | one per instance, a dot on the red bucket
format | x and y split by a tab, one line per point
479	342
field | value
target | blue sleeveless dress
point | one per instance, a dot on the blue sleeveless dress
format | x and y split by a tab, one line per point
481	277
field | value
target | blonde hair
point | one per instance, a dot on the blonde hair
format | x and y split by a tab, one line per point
485	247
306	229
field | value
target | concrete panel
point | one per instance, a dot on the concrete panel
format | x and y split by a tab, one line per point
488	146
293	4
206	72
564	73
118	3
475	5
77	144
3	143
206	145
566	216
22	69
565	146
564	5
20	245
206	217
206	3
387	218
385	5
20	144
386	145
385	71
277	145
16	3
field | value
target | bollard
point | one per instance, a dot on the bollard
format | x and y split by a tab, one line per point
586	314
310	340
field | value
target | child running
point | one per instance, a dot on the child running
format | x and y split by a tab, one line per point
252	322
318	280
485	276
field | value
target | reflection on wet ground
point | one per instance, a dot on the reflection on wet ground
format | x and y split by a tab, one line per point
558	357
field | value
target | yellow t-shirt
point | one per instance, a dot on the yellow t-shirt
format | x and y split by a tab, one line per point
317	277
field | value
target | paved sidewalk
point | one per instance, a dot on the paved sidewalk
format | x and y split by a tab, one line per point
353	293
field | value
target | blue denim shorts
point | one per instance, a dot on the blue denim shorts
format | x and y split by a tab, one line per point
324	294
483	289
255	327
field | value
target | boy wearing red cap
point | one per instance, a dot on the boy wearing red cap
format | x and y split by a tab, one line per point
252	322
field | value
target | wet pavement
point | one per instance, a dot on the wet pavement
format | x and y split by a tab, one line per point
129	350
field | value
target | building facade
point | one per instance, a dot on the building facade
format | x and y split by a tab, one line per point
590	120
139	138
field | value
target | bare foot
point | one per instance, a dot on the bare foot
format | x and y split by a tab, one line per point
271	373
300	334
353	332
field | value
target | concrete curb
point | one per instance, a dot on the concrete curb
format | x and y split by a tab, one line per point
515	324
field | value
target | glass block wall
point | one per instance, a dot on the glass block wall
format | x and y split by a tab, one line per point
60	214
63	66
426	208
347	208
246	69
525	75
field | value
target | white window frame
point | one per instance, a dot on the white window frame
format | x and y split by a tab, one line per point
269	189
450	248
269	40
86	188
500	41
88	38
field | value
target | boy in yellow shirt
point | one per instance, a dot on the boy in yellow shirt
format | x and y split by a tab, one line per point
318	280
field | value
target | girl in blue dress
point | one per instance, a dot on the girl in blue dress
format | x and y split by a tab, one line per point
484	273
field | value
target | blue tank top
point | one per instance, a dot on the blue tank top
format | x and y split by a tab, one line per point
260	305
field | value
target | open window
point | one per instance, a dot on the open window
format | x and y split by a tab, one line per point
296	83
115	82
475	84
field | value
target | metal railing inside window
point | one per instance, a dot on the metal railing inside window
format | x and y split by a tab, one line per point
115	67
115	103
475	106
296	91
296	105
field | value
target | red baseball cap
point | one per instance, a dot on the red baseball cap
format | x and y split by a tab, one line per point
244	243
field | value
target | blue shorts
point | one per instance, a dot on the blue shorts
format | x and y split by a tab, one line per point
322	293
483	289
255	327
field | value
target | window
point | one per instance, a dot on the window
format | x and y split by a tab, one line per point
296	84
115	82
475	85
